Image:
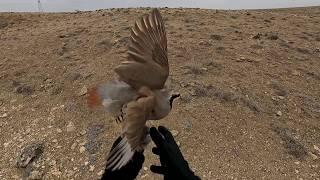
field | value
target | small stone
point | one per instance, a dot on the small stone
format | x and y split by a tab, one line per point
100	173
174	133
73	146
91	168
257	36
297	162
216	37
188	125
55	141
70	127
86	163
183	85
5	145
296	171
295	73
24	89
204	43
273	37
145	168
241	59
70	173
3	115
253	60
316	148
82	149
83	91
193	92
59	130
75	168
48	80
56	173
73	76
178	143
279	113
53	163
281	97
36	175
28	130
83	132
56	90
29	154
314	157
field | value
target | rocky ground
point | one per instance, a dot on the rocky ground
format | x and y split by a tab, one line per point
249	80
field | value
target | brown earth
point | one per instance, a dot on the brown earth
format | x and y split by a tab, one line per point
250	85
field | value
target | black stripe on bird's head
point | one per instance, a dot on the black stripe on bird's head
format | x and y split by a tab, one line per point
173	96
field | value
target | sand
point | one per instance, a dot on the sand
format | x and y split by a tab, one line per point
249	83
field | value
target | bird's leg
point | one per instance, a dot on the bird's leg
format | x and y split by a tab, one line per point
147	138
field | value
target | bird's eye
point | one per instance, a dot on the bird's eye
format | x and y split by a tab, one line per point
152	111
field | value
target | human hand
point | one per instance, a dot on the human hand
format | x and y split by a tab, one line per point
173	164
127	172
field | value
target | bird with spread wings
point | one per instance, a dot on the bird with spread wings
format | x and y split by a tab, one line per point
140	93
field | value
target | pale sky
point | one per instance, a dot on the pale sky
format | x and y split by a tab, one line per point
72	5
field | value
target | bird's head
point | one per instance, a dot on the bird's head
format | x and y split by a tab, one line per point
163	104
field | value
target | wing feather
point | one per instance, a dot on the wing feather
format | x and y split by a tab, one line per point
148	54
134	132
136	117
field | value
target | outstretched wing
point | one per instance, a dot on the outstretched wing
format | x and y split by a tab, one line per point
147	63
134	131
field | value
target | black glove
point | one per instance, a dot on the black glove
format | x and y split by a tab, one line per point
127	172
173	165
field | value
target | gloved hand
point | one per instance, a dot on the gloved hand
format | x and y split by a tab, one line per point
173	165
127	172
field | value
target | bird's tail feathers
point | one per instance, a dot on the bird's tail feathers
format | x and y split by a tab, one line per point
120	155
94	99
112	95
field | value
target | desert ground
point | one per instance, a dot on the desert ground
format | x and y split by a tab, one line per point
249	82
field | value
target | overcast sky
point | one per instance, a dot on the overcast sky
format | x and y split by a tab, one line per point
71	5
